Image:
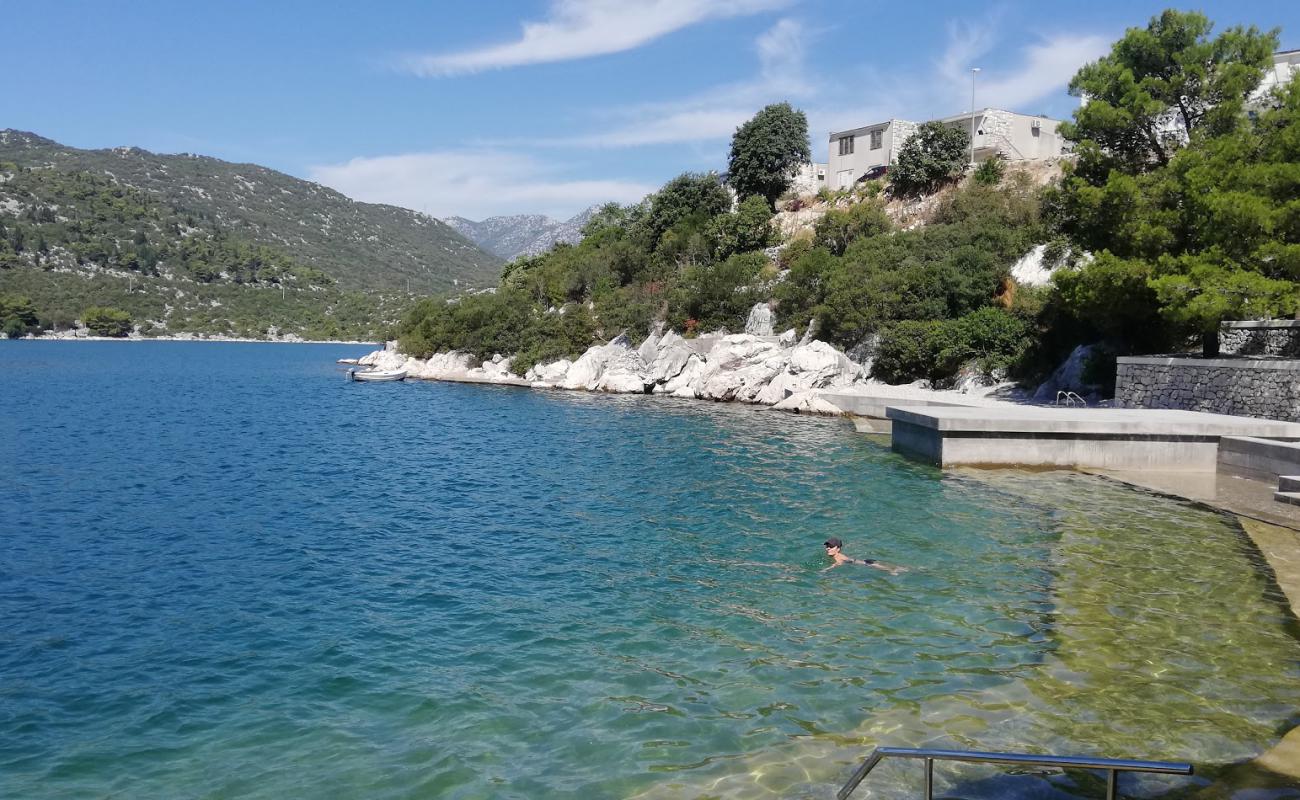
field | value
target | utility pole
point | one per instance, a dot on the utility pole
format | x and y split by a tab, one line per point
973	72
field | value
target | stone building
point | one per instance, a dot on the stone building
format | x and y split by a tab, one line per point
1014	137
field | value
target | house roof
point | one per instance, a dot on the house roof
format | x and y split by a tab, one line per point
864	128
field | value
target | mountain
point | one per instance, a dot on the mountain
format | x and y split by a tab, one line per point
358	245
522	234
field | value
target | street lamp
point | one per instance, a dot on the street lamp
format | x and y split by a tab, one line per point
973	72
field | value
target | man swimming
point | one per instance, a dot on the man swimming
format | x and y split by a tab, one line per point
833	549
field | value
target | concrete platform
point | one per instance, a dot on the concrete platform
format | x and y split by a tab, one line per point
1264	456
1103	438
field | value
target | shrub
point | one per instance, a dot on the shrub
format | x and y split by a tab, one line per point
838	229
17	316
718	295
931	157
909	350
990	171
107	321
748	228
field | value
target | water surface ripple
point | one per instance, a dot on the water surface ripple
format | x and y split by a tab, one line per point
227	572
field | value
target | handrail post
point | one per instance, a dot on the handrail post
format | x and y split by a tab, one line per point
1112	784
929	779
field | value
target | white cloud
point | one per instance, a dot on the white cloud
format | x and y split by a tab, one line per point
713	114
583	28
1044	68
471	183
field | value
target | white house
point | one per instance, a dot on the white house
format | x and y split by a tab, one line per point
855	151
809	178
1286	65
1015	137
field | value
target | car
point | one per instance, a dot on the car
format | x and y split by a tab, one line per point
874	174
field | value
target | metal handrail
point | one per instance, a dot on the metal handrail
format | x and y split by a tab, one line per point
1070	399
1113	766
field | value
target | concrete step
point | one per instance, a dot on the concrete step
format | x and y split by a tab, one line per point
1288	483
1292	498
1261	455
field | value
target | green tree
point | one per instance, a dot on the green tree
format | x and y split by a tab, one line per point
837	229
1158	86
748	228
17	315
689	200
932	156
1176	187
766	152
103	321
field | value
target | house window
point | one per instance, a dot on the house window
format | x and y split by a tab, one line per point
846	145
876	137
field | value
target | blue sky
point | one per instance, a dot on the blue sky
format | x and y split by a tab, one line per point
544	106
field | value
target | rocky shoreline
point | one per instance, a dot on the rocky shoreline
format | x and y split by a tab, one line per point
776	371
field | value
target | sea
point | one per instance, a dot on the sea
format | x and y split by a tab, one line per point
228	572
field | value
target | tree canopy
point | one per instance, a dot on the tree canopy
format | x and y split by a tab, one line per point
1189	202
932	156
766	152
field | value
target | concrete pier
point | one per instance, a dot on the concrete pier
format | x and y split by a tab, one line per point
1168	440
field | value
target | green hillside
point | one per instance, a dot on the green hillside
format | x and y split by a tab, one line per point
359	245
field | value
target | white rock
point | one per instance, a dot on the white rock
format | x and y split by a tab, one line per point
808	403
788	338
760	320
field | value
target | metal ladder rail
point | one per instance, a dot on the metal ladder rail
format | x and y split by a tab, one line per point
1113	766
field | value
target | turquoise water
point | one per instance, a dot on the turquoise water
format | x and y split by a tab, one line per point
227	572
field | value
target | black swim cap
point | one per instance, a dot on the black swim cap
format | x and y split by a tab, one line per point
833	542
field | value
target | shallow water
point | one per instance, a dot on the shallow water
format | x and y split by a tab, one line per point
230	573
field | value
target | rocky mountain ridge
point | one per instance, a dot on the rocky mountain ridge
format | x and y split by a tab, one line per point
359	245
512	236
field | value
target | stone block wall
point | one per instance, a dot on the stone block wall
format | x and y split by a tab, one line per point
1267	388
1274	337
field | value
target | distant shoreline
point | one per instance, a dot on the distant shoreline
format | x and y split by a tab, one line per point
185	339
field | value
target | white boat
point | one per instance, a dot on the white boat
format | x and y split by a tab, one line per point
376	375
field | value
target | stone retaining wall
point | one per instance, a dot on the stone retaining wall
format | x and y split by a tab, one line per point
1268	388
1274	337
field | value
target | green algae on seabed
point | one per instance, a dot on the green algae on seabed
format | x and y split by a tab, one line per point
1170	641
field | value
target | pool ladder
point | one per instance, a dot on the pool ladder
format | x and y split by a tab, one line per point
1112	766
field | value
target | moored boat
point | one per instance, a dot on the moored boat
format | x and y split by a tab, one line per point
376	375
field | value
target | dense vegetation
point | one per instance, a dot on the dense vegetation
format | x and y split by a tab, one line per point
362	246
1181	211
70	241
1186	187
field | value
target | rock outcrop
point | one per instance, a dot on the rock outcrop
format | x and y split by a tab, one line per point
770	370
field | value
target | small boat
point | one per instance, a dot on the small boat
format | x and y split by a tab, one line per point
376	375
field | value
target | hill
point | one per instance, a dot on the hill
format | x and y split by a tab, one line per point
359	245
521	234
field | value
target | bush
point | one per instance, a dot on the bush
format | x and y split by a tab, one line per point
937	349
107	321
838	229
909	350
931	157
718	295
990	171
749	228
17	316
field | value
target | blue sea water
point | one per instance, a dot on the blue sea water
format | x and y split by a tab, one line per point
228	572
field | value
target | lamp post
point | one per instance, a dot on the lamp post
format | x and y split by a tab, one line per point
973	72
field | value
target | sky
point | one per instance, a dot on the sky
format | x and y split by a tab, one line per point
532	106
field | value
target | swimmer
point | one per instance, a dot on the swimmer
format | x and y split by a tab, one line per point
833	546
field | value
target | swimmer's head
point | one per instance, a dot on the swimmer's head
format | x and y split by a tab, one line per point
833	544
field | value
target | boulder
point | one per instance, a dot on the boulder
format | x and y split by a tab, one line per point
760	320
808	403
